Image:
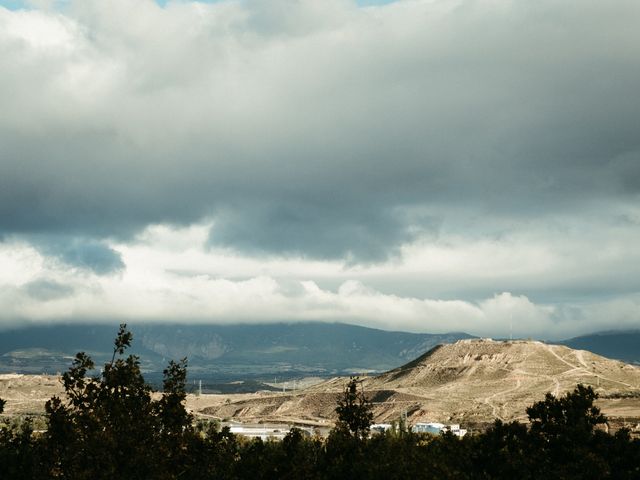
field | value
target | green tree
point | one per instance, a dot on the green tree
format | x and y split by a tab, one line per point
109	426
563	441
573	415
19	454
504	451
354	411
344	453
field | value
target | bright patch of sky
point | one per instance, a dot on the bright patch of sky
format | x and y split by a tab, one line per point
12	4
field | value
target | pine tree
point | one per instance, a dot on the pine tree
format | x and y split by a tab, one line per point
354	411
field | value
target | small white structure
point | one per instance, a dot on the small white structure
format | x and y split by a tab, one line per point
261	432
435	428
380	427
264	432
457	431
432	427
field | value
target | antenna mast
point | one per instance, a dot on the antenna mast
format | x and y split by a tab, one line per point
510	326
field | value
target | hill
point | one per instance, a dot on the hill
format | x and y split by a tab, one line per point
469	381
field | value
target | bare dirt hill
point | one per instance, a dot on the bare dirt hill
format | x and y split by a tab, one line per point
470	381
486	379
27	394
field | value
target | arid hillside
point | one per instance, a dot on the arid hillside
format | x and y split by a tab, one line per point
27	394
470	381
495	379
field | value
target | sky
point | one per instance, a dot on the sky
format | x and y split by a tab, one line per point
417	165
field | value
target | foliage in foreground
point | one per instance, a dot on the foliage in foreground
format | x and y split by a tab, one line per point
109	426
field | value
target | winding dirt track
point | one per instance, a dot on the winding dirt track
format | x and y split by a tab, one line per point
470	381
584	368
496	408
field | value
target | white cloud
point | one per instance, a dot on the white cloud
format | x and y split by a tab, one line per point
171	275
19	263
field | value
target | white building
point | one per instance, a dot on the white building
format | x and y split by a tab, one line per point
380	427
264	432
432	427
435	428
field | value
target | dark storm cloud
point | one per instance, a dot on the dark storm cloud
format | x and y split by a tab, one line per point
325	144
45	290
83	253
317	231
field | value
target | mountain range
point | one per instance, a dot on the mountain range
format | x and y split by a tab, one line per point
621	345
223	351
471	381
258	351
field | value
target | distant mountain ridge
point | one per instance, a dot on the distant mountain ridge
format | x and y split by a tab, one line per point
255	350
260	349
621	345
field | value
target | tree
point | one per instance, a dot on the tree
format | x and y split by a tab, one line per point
109	426
504	451
573	415
354	411
563	440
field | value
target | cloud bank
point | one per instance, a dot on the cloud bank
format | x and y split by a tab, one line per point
172	276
